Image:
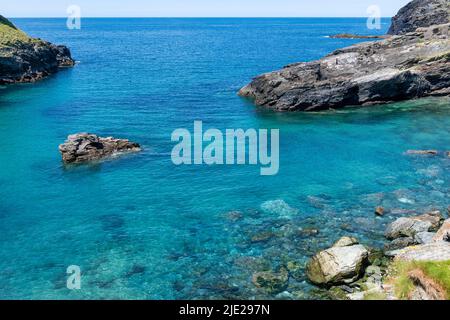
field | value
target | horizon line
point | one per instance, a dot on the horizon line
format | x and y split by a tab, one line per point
200	17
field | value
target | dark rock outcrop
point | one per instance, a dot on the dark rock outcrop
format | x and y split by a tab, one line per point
84	147
399	68
419	14
25	59
412	65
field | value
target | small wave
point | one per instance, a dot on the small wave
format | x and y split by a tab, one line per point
279	207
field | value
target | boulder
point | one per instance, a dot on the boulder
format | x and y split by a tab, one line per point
406	227
420	13
84	147
337	265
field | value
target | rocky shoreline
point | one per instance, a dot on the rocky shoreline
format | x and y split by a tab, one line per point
408	65
355	272
24	59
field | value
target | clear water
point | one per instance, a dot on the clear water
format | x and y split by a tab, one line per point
141	228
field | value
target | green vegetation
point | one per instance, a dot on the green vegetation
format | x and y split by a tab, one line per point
439	272
375	296
9	34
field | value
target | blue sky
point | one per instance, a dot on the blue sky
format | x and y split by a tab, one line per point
199	8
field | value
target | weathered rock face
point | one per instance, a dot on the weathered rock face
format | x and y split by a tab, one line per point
399	68
84	147
419	14
24	59
337	265
407	227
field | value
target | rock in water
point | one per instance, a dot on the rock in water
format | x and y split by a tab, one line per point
407	227
25	59
419	14
84	147
337	265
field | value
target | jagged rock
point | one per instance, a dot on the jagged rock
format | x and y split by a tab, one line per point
443	233
406	227
83	147
346	242
25	59
420	13
337	265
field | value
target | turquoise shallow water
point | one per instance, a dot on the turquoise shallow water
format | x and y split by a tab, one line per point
141	228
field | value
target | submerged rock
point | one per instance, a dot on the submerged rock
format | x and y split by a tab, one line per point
84	147
420	13
337	265
273	282
25	59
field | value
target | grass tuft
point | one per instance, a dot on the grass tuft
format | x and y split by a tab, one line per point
439	272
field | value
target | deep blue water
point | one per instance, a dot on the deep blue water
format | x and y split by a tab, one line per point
140	227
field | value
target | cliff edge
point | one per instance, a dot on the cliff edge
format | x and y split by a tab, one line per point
26	59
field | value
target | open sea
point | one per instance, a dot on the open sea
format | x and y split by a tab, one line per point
142	228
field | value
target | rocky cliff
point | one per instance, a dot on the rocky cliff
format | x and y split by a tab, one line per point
407	66
419	14
25	59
